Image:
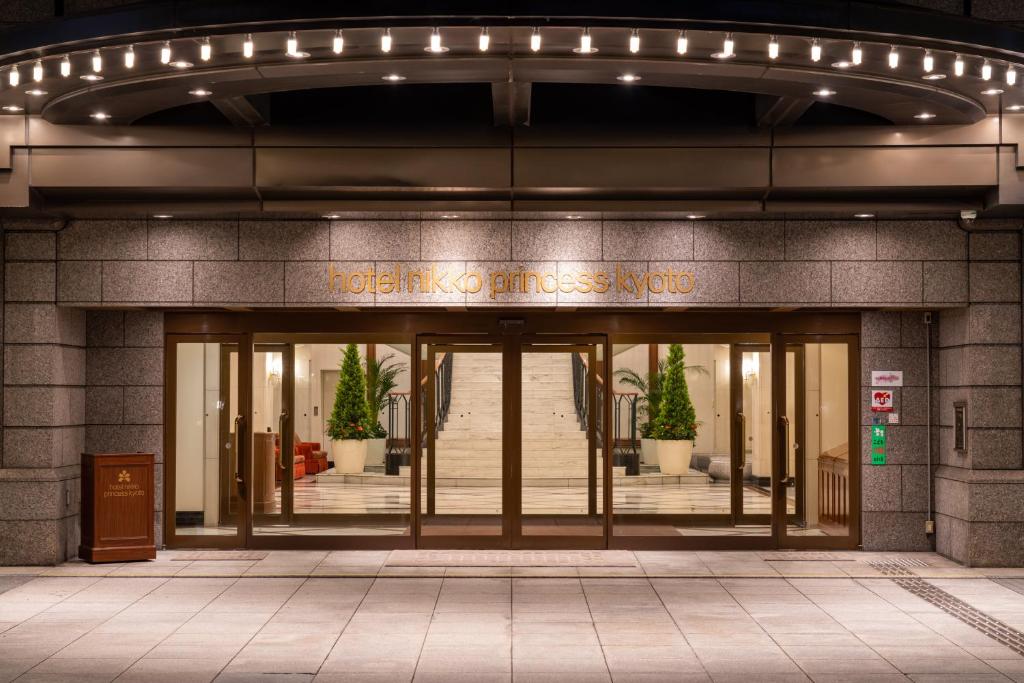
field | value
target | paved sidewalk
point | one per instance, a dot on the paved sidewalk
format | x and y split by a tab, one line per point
275	618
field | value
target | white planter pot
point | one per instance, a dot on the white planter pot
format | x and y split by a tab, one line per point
349	456
674	456
375	451
649	451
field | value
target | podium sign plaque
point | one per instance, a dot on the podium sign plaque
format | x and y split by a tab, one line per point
117	507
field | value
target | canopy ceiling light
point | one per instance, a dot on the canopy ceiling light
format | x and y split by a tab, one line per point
634	41
129	57
385	41
815	50
773	47
97	62
535	40
928	63
682	43
205	50
37	71
586	44
485	40
857	54
65	67
338	42
247	46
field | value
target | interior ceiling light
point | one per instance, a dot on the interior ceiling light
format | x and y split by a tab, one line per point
773	47
485	40
13	108
986	71
97	62
205	50
682	43
842	64
924	116
393	78
13	77
958	66
129	57
291	45
815	50
385	41
1015	107
91	77
248	48
181	64
863	215
628	78
35	92
992	91
165	52
824	92
933	77
634	41
100	116
586	44
65	66
200	92
894	57
37	71
535	40
857	54
1011	75
338	43
435	42
929	62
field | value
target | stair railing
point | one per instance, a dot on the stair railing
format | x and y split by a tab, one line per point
624	408
579	389
399	418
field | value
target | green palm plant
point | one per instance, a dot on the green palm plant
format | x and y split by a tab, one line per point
381	379
649	391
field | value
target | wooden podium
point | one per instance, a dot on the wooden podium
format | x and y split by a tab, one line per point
117	507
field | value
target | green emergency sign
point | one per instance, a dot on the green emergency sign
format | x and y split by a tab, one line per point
878	444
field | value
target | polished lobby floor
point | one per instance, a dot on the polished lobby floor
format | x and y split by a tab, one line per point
645	617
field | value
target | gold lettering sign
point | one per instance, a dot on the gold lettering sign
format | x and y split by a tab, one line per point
124	488
439	278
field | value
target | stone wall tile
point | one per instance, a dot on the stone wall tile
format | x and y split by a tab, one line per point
881	488
28	447
713	282
30	246
44	324
991	365
945	282
43	364
104	366
144	366
788	282
953	326
994	282
836	241
998	407
439	276
622	290
94	240
105	328
284	240
914	487
125	439
512	286
913	329
648	240
144	405
879	328
993	449
905	240
44	406
993	324
995	246
375	240
188	240
556	240
878	282
80	282
235	282
913	363
738	240
312	282
104	405
30	282
883	531
144	328
460	240
996	544
47	546
147	282
22	500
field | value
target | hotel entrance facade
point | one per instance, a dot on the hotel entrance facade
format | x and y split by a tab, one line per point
503	429
735	275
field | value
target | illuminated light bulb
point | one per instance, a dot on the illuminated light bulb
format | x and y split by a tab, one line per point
205	50
65	66
682	43
986	71
247	46
958	66
385	41
728	46
14	78
37	71
634	41
338	44
292	44
929	62
585	43
1011	75
773	48
97	62
894	57
165	52
857	54
485	40
129	57
815	51
435	41
535	40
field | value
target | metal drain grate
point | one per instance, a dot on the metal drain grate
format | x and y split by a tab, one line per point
896	566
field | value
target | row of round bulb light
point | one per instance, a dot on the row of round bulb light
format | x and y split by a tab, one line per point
586	46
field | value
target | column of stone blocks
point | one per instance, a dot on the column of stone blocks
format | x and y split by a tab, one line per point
895	495
43	407
979	490
124	388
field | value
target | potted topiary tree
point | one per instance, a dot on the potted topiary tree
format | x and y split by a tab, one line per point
349	424
381	379
676	427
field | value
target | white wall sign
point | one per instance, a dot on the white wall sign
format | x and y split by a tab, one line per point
887	378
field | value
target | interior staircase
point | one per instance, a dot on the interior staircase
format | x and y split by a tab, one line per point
469	445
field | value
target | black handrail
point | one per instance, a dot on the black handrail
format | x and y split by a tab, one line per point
625	404
399	413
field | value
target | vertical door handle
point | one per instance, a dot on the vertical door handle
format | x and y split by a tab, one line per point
280	435
240	456
743	442
784	430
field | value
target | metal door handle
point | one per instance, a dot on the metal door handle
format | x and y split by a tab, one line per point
786	479
743	442
239	456
280	435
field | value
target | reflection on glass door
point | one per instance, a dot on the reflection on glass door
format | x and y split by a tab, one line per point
561	451
273	476
752	494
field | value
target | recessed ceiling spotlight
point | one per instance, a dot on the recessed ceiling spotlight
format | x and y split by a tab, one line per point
934	77
695	216
842	64
449	215
91	77
586	44
573	217
35	92
100	116
435	43
924	116
824	92
992	91
13	108
331	216
162	215
200	92
628	78
863	215
181	64
299	54
393	78
728	46
1015	107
